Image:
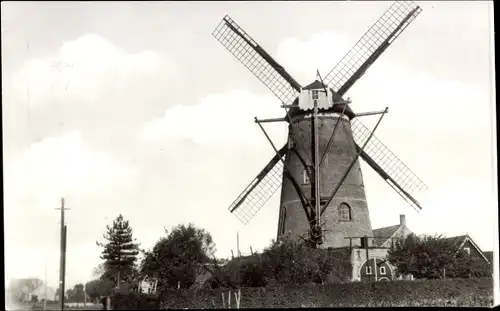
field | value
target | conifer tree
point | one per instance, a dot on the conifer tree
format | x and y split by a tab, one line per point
119	251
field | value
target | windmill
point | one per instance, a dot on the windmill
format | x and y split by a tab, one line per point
318	169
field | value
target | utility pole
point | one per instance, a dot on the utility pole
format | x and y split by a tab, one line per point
62	256
65	235
45	299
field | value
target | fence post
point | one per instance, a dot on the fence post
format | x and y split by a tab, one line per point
237	297
229	300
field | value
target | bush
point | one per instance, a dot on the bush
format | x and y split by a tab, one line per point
430	256
286	262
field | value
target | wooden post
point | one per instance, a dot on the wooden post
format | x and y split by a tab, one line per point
229	300
237	297
45	299
223	301
365	241
61	257
238	254
63	274
251	251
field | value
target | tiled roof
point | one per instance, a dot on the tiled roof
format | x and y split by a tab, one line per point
459	240
381	235
456	240
489	256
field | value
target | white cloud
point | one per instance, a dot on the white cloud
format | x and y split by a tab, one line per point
59	166
85	69
55	167
222	119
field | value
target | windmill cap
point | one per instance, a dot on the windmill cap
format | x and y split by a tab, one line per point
315	86
336	108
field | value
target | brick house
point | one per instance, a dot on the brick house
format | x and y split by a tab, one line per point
377	268
464	242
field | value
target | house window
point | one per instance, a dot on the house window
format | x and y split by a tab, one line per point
360	176
364	242
315	94
382	270
467	250
368	270
345	212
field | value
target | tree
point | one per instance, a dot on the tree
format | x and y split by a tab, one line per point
76	294
98	288
98	271
119	251
176	258
469	266
432	257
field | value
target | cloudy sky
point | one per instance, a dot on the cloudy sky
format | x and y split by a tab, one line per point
135	108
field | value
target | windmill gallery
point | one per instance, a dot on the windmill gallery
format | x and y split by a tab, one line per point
322	193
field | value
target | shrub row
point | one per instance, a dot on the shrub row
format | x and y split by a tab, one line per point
443	292
287	262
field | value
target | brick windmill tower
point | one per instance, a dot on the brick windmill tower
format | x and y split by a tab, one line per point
323	199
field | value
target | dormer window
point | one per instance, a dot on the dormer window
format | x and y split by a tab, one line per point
315	94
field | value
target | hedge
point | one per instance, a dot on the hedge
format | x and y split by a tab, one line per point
447	292
440	292
134	301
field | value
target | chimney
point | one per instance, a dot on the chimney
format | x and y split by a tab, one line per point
402	220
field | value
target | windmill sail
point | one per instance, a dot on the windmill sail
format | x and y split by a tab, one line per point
388	165
260	190
281	83
258	61
371	45
351	68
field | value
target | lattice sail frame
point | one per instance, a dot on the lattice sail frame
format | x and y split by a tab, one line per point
259	191
390	163
244	49
385	30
